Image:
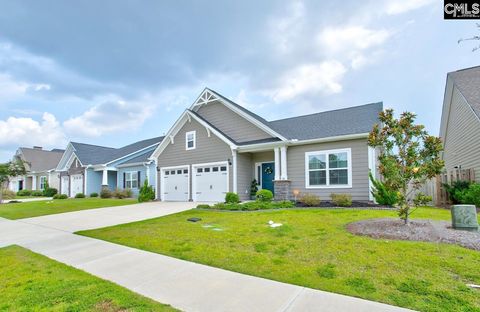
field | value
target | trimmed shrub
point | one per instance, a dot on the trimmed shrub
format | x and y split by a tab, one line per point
105	193
8	194
146	193
264	195
381	193
94	194
37	193
203	206
250	206
128	192
341	200
49	191
232	198
120	194
79	195
24	193
310	200
60	196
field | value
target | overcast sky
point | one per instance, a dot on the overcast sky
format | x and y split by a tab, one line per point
113	72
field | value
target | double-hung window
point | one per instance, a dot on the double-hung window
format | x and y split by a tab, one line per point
43	182
131	179
190	138
328	169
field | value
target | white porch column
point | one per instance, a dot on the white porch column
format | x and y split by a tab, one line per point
105	177
276	151
283	156
234	165
34	183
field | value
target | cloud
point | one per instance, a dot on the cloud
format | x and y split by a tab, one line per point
321	78
351	38
285	29
394	7
28	132
109	117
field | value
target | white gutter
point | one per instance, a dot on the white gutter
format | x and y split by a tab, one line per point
271	145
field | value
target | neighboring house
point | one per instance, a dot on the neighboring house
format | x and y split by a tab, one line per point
460	124
218	146
86	168
40	165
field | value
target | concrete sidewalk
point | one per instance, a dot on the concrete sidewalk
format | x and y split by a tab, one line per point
185	285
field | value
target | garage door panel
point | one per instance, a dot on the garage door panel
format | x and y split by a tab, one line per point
76	184
211	182
175	184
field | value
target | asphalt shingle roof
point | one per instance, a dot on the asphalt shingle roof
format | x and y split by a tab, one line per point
467	82
139	159
41	160
89	154
351	120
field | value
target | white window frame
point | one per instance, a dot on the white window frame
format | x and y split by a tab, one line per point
132	174
327	169
44	178
194	133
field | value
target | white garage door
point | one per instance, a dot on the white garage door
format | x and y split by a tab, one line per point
210	182
76	184
175	184
65	185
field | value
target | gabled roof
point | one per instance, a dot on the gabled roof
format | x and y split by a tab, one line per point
89	154
351	120
467	82
39	160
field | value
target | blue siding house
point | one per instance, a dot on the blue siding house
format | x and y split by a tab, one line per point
86	168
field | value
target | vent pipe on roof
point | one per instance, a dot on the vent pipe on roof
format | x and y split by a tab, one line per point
38	147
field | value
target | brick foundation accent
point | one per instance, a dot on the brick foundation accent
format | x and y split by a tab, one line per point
282	189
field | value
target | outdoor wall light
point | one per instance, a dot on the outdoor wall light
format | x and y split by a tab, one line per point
229	162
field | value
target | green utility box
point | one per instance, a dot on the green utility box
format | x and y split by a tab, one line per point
464	217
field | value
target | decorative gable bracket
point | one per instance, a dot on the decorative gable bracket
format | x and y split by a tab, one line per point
205	97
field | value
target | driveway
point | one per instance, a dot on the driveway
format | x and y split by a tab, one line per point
102	217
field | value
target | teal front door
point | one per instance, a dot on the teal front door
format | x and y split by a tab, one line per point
268	173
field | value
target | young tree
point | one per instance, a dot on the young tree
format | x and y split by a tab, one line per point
7	170
409	156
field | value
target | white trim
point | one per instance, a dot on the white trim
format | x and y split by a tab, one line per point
214	96
193	172
270	145
373	169
235	170
178	126
276	152
85	181
69	146
162	169
194	133
131	173
69	163
142	163
137	151
283	163
326	152
40	182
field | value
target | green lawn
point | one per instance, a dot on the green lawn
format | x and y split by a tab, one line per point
32	282
313	249
40	208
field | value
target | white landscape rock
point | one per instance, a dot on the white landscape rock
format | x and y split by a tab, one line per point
273	224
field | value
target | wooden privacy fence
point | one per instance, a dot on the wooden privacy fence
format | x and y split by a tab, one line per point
439	194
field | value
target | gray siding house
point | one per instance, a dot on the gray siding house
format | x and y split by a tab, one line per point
40	165
460	124
218	146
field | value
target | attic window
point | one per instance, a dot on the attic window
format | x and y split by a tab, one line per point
190	140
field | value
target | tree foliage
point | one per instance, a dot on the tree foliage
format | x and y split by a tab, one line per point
146	193
382	194
474	38
10	169
409	156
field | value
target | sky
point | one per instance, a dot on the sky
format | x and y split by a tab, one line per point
115	72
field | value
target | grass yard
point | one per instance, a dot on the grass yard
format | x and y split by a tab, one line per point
313	249
32	282
41	208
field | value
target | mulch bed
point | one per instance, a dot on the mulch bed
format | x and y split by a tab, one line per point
355	205
416	230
